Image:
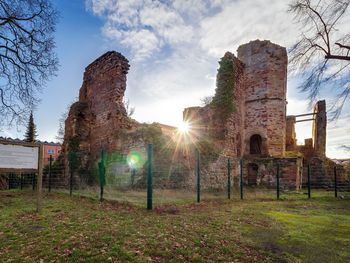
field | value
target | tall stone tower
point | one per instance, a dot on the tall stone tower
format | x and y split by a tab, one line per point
94	121
265	97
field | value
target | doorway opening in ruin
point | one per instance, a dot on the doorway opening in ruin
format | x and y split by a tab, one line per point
255	144
253	169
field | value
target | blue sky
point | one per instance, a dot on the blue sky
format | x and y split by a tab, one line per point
173	48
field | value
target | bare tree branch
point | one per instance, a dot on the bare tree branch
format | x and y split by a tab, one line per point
321	55
27	58
342	46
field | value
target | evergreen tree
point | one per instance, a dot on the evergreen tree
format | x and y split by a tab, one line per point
31	134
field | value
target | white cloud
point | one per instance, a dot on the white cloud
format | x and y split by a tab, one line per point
144	42
174	47
242	21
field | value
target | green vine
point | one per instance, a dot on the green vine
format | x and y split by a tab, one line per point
223	101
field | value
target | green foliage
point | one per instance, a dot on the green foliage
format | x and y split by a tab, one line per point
223	101
163	150
73	144
86	174
207	150
152	133
31	134
57	165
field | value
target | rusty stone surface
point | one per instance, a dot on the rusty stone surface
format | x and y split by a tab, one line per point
260	112
259	98
265	95
319	128
99	117
291	140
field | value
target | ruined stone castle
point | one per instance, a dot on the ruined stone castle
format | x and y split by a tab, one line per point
258	130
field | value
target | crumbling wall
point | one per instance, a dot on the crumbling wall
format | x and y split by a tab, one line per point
319	129
263	172
98	119
260	105
291	141
265	95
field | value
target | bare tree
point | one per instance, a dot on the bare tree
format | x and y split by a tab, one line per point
27	59
62	120
322	54
206	100
61	126
129	109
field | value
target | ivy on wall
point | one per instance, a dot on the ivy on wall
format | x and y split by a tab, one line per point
223	101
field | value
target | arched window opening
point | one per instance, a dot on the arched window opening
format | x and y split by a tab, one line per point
255	144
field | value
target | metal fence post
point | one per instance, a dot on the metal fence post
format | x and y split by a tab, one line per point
228	178
150	177
71	170
278	181
308	181
50	167
335	182
102	170
198	177
133	175
10	181
21	180
241	177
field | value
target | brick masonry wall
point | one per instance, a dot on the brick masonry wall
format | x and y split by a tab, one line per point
265	94
99	119
291	142
263	172
319	130
260	100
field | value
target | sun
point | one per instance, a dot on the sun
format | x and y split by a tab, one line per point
184	127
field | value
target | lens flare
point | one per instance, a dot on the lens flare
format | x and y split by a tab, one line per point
184	127
135	160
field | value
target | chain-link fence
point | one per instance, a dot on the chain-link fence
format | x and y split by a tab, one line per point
18	180
154	177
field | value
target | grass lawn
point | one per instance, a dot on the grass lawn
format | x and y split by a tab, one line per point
80	229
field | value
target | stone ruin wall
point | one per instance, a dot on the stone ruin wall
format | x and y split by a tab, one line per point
319	129
315	146
105	104
291	136
314	149
265	70
260	108
259	98
99	118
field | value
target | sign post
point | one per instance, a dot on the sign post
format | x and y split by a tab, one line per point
39	203
21	158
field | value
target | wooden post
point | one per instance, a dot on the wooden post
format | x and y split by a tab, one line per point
39	188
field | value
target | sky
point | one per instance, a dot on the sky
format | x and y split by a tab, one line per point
173	48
